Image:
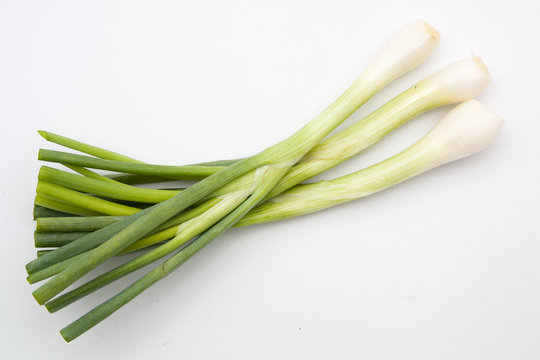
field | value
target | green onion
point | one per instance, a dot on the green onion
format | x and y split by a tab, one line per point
114	217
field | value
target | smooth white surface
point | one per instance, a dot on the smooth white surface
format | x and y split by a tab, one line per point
445	266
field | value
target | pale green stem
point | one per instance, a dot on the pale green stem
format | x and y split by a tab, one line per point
91	174
85	148
114	190
53	203
83	200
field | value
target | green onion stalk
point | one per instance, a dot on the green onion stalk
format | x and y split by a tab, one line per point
405	52
467	129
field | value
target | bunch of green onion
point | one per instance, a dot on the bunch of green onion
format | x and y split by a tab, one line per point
84	218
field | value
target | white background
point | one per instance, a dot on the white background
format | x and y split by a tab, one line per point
444	266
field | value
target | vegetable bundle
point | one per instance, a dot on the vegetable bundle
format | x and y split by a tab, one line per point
84	218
